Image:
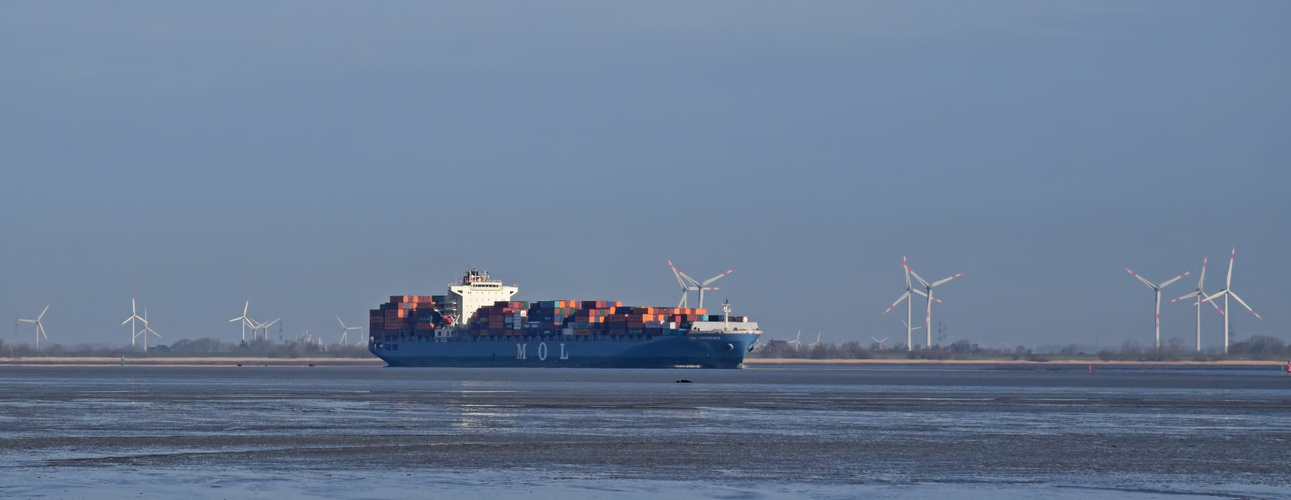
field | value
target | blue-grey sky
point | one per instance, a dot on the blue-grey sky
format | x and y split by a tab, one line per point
315	157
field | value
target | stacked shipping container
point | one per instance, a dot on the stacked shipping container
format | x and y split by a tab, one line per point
418	316
407	315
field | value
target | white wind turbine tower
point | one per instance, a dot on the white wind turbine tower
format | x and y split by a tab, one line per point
40	327
147	328
245	321
134	315
880	341
1200	295
909	290
1157	289
927	320
695	284
345	330
1226	292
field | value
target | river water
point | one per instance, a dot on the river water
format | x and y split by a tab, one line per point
765	432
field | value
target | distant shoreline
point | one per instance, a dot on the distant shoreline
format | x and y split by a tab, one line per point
1066	362
194	361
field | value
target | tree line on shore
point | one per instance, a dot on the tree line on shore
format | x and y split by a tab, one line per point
203	347
1258	347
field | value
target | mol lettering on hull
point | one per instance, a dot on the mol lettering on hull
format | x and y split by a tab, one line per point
522	351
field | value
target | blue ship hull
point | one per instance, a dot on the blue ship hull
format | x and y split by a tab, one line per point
707	350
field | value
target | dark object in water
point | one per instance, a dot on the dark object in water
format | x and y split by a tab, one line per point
684	381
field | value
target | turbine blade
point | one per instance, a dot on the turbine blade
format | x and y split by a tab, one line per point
1243	303
688	278
1213	304
916	276
1145	281
920	292
947	279
894	304
1193	294
715	278
1212	298
42	313
338	320
1229	284
1176	278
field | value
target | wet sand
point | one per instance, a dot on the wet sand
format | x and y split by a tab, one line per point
189	361
825	429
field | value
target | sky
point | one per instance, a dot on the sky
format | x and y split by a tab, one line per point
315	157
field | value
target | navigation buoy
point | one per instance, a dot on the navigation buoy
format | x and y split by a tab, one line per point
123	360
1091	368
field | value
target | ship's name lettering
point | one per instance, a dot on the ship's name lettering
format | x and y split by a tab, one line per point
522	351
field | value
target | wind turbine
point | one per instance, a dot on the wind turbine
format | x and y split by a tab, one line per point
909	290
1200	295
1158	292
796	342
147	328
345	330
134	315
880	342
686	288
40	327
816	343
1226	292
245	321
255	327
696	284
927	320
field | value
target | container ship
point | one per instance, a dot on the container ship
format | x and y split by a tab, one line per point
477	324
